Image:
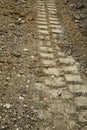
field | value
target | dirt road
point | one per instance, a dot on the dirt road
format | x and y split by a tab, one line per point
41	87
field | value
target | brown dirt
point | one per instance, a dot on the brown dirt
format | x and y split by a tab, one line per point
76	30
17	46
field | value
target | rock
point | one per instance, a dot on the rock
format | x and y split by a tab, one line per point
59	94
20	21
22	1
4	127
7	105
28	81
27	86
52	76
32	57
25	105
21	98
11	25
25	49
7	78
77	16
17	129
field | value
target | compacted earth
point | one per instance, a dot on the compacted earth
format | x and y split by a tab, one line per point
43	65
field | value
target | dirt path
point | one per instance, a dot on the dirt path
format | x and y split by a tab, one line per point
44	89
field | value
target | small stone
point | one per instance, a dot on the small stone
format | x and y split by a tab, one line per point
52	76
11	24
22	21
59	94
17	129
19	19
22	1
76	20
7	78
25	105
27	86
7	105
32	57
2	127
25	49
19	117
28	81
32	107
21	98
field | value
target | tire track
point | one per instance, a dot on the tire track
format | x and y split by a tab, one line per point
64	88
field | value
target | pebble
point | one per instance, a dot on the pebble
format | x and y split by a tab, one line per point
25	105
22	1
28	81
25	49
32	107
7	78
21	98
11	24
22	21
27	116
7	105
17	129
3	127
47	65
18	75
27	86
59	94
52	76
19	117
32	57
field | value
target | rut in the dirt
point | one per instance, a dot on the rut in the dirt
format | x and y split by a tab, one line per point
63	83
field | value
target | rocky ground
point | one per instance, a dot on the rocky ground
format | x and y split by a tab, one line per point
73	15
42	68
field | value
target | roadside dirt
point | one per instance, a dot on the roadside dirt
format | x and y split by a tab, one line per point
17	49
73	17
